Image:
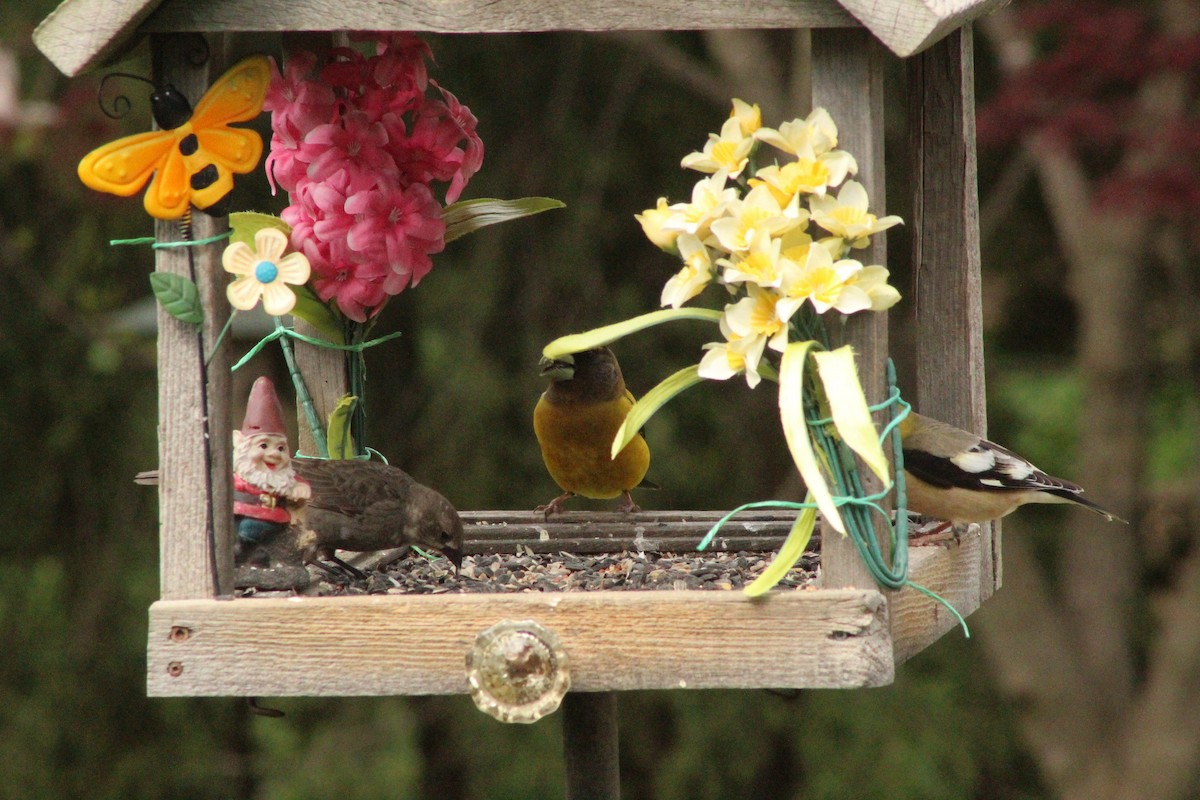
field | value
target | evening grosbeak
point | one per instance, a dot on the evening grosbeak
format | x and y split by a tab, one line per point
576	420
958	477
368	505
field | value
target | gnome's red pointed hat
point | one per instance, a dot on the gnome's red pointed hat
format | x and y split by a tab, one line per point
264	413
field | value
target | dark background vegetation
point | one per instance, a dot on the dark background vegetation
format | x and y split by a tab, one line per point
597	122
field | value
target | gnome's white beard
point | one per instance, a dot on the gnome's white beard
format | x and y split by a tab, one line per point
276	481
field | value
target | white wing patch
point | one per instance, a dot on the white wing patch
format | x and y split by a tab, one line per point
975	460
1017	468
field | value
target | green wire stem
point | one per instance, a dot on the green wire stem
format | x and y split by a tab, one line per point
849	493
285	334
157	245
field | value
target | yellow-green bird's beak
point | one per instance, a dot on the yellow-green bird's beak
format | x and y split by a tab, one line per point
558	369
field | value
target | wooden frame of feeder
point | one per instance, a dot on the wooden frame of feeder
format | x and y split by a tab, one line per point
844	634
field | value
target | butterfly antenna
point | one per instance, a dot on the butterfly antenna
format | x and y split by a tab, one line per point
120	104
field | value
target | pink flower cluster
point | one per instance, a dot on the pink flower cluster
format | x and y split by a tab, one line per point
359	147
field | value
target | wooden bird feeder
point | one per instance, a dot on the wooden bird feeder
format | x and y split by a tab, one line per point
844	634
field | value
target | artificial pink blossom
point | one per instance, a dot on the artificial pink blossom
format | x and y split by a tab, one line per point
400	226
354	144
368	159
292	97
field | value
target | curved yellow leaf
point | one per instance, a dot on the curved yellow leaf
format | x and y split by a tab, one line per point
793	547
848	407
578	342
341	443
795	430
653	400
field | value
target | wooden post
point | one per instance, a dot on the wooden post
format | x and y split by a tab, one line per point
847	77
195	432
945	240
590	746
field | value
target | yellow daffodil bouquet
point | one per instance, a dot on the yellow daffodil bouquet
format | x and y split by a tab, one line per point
780	239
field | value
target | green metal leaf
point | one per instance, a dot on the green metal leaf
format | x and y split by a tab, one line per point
578	342
341	443
245	224
178	296
468	216
310	309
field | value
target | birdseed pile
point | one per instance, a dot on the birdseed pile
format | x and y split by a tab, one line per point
565	572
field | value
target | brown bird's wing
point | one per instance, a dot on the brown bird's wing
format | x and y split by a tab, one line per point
352	487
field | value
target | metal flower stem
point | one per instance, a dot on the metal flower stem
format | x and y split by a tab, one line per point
357	374
302	395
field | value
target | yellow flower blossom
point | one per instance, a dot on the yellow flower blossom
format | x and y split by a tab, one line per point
755	317
809	137
873	281
749	116
729	151
734	356
696	273
652	221
759	264
823	282
806	175
264	272
709	197
847	216
758	212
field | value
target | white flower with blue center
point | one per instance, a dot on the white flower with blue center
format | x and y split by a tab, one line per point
264	272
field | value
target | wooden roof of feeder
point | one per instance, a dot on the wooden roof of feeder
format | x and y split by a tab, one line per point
843	633
82	34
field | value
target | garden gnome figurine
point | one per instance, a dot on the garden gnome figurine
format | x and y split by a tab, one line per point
268	495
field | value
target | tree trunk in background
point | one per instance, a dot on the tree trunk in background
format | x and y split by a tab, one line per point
1098	726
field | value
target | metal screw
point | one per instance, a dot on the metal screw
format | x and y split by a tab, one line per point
175	669
179	633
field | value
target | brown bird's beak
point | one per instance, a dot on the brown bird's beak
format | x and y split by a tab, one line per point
455	556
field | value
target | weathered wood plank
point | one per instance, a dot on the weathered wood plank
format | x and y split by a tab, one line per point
195	506
909	26
403	644
954	572
487	532
481	16
82	34
946	259
847	77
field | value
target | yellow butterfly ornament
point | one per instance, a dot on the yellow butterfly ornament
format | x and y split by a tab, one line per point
195	154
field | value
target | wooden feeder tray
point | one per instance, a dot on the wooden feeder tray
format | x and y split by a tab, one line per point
399	642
